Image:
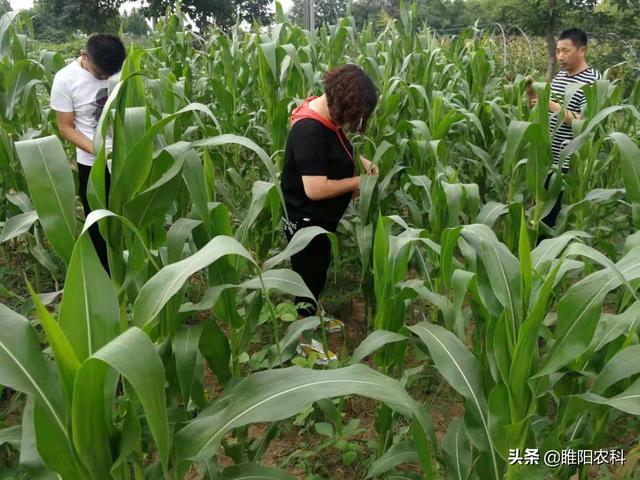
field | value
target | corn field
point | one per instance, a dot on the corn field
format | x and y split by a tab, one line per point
167	367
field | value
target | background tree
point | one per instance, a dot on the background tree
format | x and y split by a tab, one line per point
538	17
442	14
5	7
134	23
207	12
328	11
91	16
365	11
55	20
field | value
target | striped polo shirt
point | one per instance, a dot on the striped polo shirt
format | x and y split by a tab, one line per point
576	104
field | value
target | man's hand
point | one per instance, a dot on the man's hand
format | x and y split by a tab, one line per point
67	129
554	107
531	93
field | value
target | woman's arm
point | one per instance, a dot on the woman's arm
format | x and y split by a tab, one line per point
318	187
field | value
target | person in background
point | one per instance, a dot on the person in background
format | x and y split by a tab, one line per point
78	95
571	51
319	176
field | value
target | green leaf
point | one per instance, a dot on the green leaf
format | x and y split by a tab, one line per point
251	145
153	203
399	454
11	436
185	350
89	314
22	367
17	225
457	450
30	459
63	353
48	175
630	156
298	242
133	356
214	347
580	309
169	280
423	448
373	342
177	236
627	401
460	369
283	280
623	365
277	394
324	428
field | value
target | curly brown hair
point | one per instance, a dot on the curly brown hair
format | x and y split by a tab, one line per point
351	96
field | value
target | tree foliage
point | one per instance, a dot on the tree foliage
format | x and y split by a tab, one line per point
328	11
5	6
219	12
55	19
134	23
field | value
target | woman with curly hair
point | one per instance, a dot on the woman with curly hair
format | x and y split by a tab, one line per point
319	176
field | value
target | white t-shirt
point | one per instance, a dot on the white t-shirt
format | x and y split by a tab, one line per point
76	90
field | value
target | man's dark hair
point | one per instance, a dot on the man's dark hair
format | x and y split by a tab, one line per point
106	51
577	36
351	96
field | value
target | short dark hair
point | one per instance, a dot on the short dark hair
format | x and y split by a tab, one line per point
106	51
577	36
351	96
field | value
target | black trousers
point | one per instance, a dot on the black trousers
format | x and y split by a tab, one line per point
98	242
552	216
312	263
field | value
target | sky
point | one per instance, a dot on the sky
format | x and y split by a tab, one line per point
22	4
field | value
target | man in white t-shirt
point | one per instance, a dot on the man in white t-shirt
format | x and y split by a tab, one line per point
78	95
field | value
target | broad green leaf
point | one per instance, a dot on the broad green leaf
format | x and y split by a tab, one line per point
65	357
298	242
153	203
283	280
630	155
627	401
133	356
169	280
580	308
375	340
23	368
457	450
623	365
89	314
460	369
17	225
185	350
30	459
177	236
251	145
277	394
48	175
399	454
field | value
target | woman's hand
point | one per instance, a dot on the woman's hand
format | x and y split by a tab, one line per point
369	167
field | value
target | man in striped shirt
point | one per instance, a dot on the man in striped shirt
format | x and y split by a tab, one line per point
571	51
